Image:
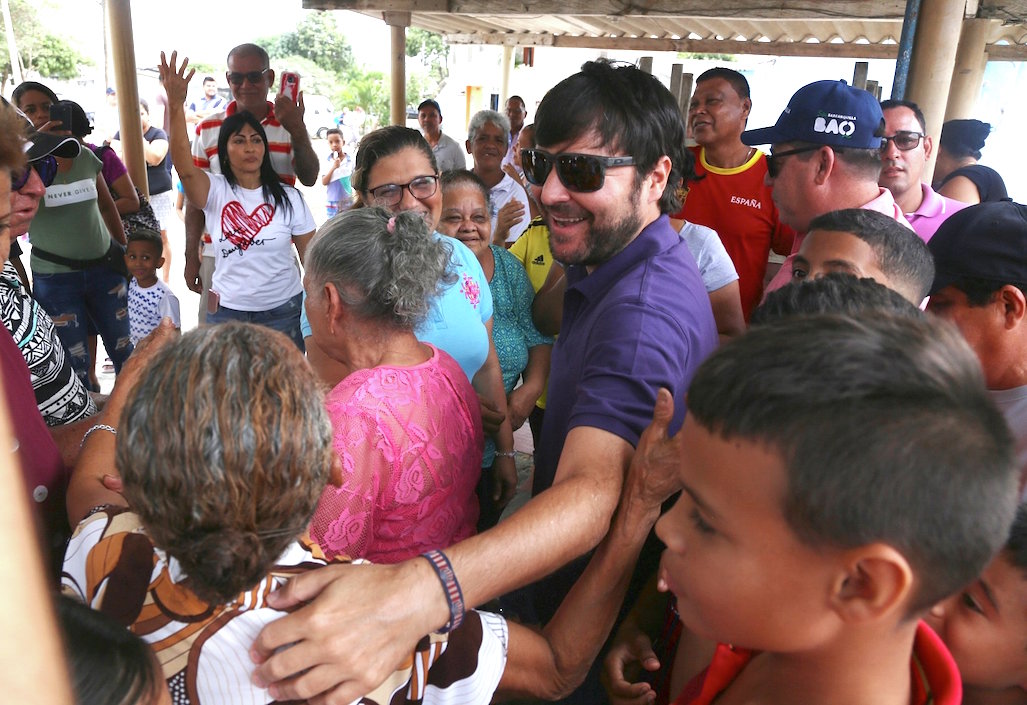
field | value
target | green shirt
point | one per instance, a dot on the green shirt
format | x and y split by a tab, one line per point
68	222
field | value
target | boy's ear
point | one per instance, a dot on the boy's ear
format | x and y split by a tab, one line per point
876	580
160	263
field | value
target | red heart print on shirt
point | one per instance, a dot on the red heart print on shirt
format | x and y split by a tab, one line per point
240	228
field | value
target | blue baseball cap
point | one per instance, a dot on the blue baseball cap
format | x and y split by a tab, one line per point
826	112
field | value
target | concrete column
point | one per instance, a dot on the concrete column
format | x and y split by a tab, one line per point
398	22
968	75
932	62
506	70
119	19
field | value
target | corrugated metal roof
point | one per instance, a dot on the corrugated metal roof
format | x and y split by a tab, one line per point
857	28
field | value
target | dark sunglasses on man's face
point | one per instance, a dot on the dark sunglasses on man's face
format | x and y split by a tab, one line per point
236	78
583	173
775	160
904	140
45	167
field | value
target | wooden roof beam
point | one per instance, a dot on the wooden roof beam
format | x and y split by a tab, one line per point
996	52
755	9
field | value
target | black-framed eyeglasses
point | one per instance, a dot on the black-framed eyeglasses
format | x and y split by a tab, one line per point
583	173
389	195
237	77
904	140
46	167
775	160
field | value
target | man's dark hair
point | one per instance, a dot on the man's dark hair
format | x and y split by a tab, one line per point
900	252
886	432
835	292
208	79
737	80
630	110
980	292
518	99
917	112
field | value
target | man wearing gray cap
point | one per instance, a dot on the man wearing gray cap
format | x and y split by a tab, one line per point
824	156
980	261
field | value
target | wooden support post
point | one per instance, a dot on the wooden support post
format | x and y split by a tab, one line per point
932	62
859	74
968	74
507	71
645	63
119	17
398	22
873	89
687	83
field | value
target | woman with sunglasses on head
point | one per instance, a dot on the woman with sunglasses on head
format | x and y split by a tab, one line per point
395	169
254	220
77	246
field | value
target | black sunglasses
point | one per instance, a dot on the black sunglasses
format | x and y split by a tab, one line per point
236	78
904	140
46	167
582	173
775	160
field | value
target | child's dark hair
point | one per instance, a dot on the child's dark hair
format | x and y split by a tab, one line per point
886	432
146	235
835	292
333	131
107	664
270	184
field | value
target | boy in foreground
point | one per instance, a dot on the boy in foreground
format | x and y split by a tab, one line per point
842	476
985	626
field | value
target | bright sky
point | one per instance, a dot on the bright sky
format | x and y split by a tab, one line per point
205	29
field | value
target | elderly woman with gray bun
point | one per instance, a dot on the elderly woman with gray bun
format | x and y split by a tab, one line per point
406	419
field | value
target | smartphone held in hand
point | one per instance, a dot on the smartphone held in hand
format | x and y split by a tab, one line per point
290	86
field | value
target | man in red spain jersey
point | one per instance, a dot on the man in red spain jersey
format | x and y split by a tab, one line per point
730	195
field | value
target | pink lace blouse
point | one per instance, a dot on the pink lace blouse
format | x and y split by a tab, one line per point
410	442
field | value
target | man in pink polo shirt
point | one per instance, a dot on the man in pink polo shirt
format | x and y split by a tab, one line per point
905	152
825	156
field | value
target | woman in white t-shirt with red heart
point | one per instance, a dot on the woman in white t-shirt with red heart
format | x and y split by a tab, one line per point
254	219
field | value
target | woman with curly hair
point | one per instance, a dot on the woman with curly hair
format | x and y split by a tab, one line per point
406	419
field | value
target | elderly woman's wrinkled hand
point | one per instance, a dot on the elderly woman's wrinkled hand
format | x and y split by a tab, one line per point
175	79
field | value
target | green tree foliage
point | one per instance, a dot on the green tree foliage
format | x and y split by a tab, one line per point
316	38
324	59
40	51
432	51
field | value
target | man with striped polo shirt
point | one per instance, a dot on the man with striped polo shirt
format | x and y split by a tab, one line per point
292	156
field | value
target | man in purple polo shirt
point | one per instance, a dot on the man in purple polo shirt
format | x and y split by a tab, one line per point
636	318
907	147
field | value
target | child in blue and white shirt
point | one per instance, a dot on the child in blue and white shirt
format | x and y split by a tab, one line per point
149	299
340	167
